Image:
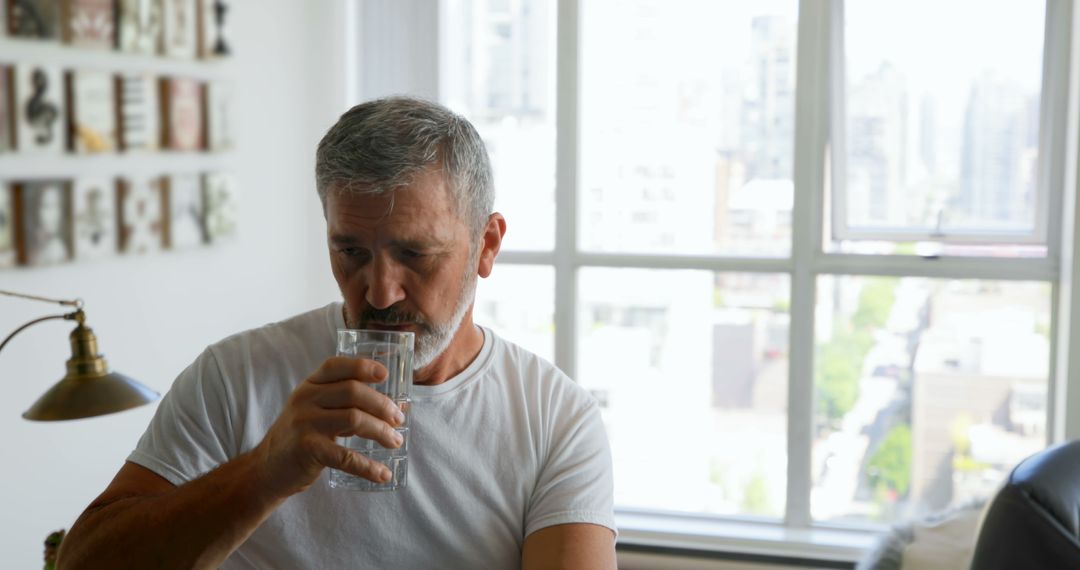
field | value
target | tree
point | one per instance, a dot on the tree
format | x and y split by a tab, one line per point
756	496
875	303
889	469
839	362
839	365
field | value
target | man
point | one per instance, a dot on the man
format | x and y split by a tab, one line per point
509	464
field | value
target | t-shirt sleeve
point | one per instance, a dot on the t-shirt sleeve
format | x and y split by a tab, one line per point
192	431
575	484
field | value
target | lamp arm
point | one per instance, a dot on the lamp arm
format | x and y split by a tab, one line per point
77	303
68	317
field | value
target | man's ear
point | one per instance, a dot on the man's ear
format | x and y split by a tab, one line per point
491	241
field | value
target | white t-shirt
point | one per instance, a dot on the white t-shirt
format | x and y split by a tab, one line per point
507	447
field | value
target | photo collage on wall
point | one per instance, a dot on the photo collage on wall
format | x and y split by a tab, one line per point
48	109
45	222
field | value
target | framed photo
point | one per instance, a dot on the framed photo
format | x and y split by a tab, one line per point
138	26
88	23
140	114
33	18
7	227
95	232
180	30
182	117
185	222
7	109
39	100
140	205
43	217
214	33
219	202
219	131
91	112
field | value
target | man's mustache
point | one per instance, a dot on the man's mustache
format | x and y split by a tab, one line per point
394	316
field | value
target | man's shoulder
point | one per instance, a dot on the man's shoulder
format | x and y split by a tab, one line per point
537	375
305	330
507	353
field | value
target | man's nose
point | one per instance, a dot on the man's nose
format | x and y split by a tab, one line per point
384	286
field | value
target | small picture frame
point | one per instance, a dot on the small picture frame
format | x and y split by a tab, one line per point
219	204
89	24
7	228
39	117
140	205
43	222
95	233
33	19
91	112
185	220
214	31
180	28
182	114
7	109
138	24
219	130
139	112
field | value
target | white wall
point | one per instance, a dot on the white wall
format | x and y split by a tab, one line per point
154	314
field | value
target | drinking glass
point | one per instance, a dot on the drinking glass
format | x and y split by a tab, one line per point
394	350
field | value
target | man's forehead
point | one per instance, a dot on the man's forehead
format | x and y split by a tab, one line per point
426	192
413	213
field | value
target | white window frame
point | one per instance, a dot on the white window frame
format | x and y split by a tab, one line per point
1053	115
818	80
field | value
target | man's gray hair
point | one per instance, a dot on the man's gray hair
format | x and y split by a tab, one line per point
379	146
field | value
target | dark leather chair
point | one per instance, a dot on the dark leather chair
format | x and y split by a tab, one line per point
1034	521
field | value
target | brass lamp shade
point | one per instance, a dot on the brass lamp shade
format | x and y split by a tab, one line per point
88	389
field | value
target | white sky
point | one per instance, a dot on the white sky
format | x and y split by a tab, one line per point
943	44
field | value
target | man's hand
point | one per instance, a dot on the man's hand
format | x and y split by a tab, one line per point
334	401
144	521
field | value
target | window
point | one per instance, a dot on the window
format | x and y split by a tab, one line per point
940	137
498	69
816	273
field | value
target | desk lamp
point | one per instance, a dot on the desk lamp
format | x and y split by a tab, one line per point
89	388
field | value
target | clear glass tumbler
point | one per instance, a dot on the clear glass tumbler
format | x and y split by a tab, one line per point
395	351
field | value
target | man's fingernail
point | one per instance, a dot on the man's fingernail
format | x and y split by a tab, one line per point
398	439
385	475
400	417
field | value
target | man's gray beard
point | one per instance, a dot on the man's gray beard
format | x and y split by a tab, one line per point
431	345
433	338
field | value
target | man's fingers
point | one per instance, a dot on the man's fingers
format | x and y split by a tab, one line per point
349	461
351	421
353	394
338	368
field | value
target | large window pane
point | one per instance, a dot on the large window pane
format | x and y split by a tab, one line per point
928	391
690	368
687	122
942	132
498	69
518	303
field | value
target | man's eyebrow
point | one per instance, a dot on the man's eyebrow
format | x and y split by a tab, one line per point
342	239
420	244
406	243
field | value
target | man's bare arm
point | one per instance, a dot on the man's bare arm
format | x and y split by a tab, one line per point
569	546
143	521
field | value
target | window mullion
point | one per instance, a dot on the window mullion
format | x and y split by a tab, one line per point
817	21
566	177
1057	144
1064	395
1053	121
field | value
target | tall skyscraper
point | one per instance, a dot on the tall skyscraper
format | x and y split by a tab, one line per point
768	102
877	112
992	191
